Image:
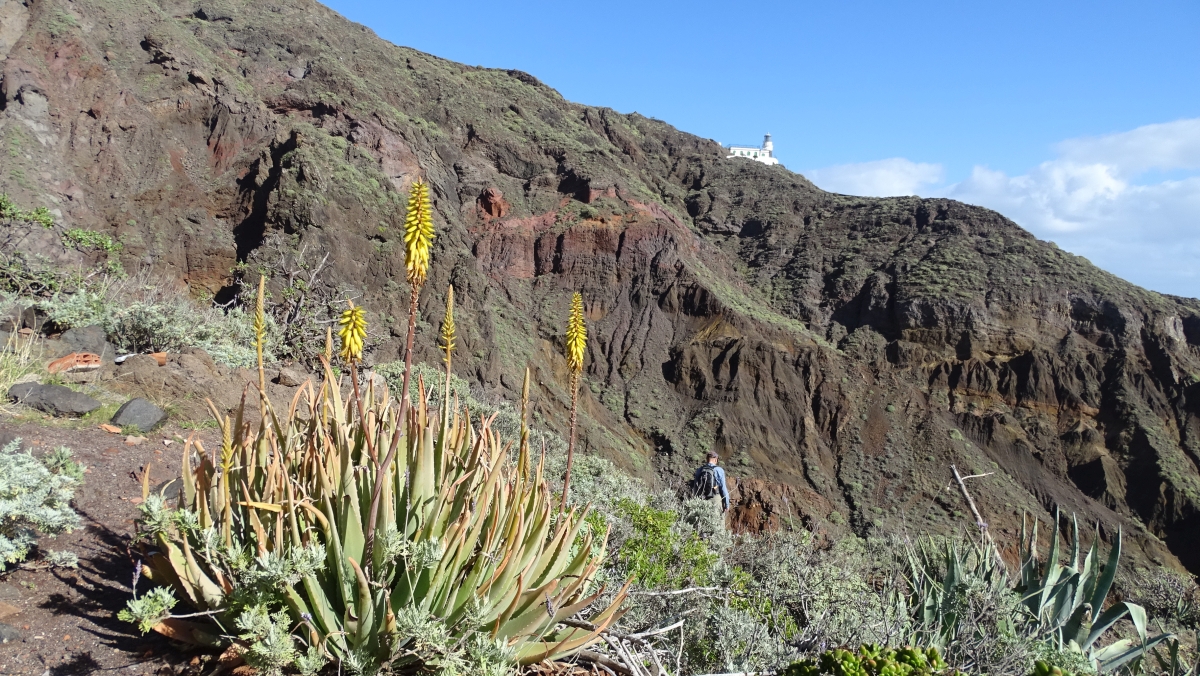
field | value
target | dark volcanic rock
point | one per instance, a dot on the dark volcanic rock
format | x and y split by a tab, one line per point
140	414
841	352
87	339
53	399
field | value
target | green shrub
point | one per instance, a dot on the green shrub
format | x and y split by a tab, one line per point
91	239
35	498
660	556
871	660
10	211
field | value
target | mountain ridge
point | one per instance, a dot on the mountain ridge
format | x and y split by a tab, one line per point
839	352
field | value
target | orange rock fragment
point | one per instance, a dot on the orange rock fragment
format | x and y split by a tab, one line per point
76	361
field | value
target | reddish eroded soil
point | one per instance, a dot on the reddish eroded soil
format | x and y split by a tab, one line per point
67	618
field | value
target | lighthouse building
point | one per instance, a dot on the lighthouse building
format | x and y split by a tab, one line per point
764	154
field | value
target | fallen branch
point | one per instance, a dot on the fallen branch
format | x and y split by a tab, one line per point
604	662
979	521
983	527
655	632
676	592
629	664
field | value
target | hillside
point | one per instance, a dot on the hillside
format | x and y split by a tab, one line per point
838	352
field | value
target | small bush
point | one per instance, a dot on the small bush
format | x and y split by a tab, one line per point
658	554
91	239
10	211
35	498
1164	593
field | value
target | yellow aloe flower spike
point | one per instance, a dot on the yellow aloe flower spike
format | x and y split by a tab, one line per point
353	333
448	331
576	335
418	233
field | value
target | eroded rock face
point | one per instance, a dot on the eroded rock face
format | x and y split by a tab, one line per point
839	353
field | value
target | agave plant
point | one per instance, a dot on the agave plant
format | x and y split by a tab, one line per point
938	576
269	532
1068	601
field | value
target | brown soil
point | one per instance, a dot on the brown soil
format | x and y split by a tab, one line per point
67	618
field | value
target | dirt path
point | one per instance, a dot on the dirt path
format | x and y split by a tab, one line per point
67	618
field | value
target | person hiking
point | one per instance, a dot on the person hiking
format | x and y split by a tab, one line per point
709	482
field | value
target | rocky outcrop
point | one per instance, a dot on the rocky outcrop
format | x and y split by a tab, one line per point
839	353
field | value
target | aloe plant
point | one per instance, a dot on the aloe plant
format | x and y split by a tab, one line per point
468	546
1067	600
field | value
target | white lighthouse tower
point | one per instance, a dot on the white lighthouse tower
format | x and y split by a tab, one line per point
764	153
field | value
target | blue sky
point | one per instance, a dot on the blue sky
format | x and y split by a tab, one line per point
1081	121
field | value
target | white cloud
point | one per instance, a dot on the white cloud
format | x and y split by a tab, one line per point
881	178
1167	146
1088	199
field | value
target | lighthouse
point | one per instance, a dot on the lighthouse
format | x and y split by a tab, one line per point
764	153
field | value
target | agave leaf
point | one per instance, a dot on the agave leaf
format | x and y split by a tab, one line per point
1104	583
1107	619
1053	570
1137	615
187	497
1116	655
268	506
1074	542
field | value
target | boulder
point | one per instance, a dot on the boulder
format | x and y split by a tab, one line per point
35	318
88	339
9	633
139	364
53	399
491	201
139	413
291	377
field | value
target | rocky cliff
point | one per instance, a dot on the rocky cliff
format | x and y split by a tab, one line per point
840	353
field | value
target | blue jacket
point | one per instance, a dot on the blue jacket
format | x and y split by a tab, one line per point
720	475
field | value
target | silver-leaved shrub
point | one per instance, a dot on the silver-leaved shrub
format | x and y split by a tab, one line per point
138	321
35	497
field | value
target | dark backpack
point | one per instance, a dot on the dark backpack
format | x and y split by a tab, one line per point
704	484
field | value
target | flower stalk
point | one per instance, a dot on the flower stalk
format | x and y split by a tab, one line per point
576	349
418	240
354	336
260	332
448	337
